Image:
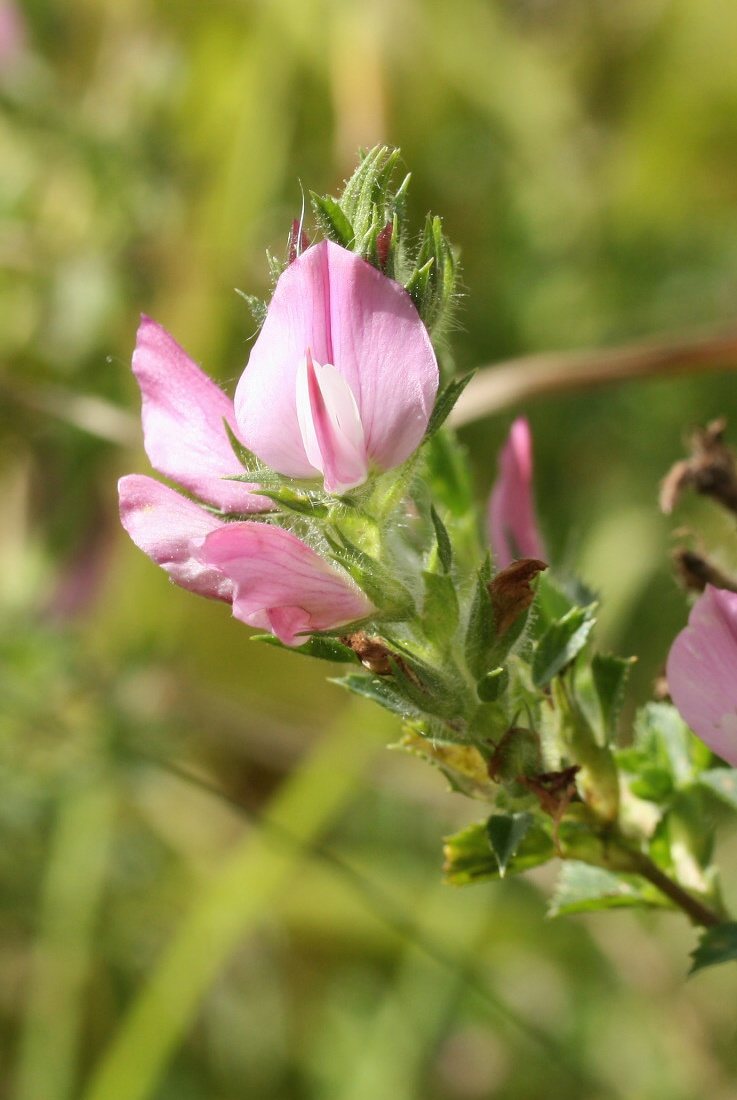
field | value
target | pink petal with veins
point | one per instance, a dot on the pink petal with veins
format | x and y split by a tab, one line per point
169	528
349	316
280	583
512	523
702	671
183	413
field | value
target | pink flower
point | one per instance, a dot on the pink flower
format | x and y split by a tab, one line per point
280	584
702	671
342	376
511	522
273	579
183	430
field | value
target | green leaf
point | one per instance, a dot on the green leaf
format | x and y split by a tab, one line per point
441	694
650	781
506	832
561	643
379	691
552	602
445	403
662	737
469	856
325	649
462	765
582	888
445	550
332	221
723	782
717	945
610	675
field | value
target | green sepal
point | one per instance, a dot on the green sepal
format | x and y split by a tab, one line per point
449	477
367	198
323	648
445	403
388	595
717	945
582	888
610	675
252	465
492	685
257	306
332	220
440	608
561	643
301	503
506	832
481	633
469	856
432	284
445	549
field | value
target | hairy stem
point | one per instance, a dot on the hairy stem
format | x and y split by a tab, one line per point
699	913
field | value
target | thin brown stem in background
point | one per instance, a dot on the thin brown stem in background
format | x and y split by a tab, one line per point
509	383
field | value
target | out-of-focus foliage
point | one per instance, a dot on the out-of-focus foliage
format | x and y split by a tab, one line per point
583	155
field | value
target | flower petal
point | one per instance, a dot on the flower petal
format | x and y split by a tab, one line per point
349	315
331	427
164	524
702	672
183	413
280	583
512	523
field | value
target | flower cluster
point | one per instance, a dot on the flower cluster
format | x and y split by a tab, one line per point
340	384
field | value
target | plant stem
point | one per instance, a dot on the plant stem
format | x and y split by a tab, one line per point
504	385
699	913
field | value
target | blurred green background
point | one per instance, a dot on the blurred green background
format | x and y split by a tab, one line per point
156	941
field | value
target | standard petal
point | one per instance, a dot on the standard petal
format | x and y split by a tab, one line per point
702	672
183	413
512	522
280	583
351	316
164	524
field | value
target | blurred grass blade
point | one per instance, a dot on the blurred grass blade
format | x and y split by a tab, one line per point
229	907
62	955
